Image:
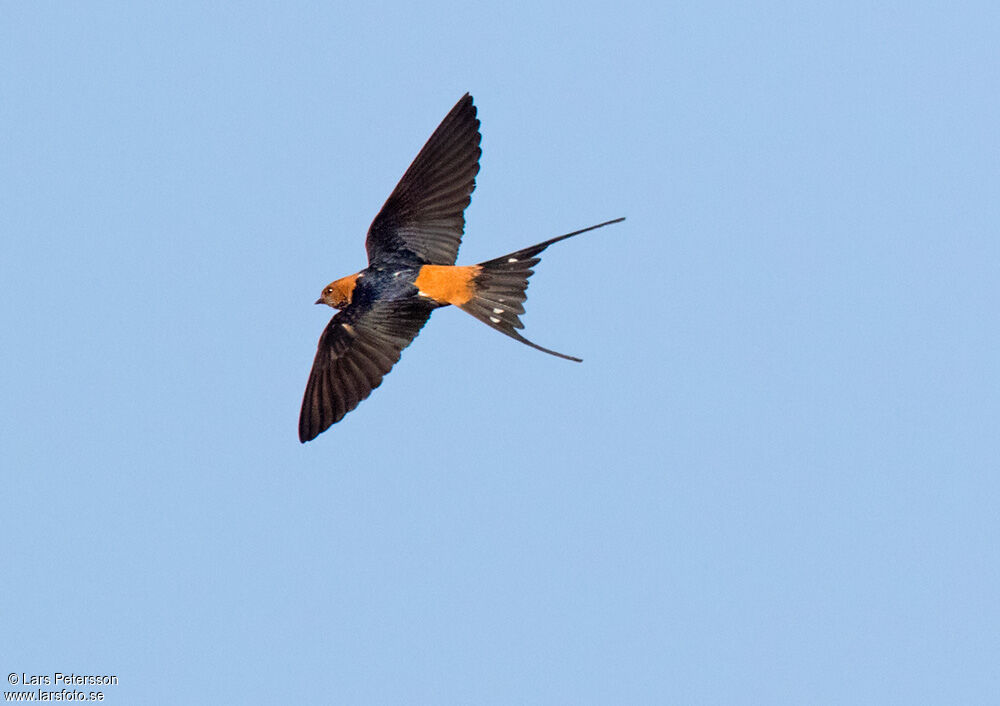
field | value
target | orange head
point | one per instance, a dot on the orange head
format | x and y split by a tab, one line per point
338	293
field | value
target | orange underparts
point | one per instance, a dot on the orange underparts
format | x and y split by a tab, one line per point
447	284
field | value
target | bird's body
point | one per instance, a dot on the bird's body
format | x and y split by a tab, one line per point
412	246
440	284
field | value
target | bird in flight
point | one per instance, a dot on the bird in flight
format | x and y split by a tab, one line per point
412	247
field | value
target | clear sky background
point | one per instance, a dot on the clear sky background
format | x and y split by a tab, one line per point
773	479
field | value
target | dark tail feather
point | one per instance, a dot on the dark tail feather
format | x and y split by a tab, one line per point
500	289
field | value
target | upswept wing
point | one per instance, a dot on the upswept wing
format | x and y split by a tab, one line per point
423	219
357	349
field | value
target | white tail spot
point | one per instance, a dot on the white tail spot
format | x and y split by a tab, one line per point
494	319
498	311
511	259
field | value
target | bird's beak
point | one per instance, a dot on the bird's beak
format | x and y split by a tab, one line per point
319	301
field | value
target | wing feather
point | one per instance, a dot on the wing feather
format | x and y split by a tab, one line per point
423	219
357	349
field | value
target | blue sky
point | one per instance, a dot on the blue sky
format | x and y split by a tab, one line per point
773	479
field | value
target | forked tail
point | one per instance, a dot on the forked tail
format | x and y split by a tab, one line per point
499	289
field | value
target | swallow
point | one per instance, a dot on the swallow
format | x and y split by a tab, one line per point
412	247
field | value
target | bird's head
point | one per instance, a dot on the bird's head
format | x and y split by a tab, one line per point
337	294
